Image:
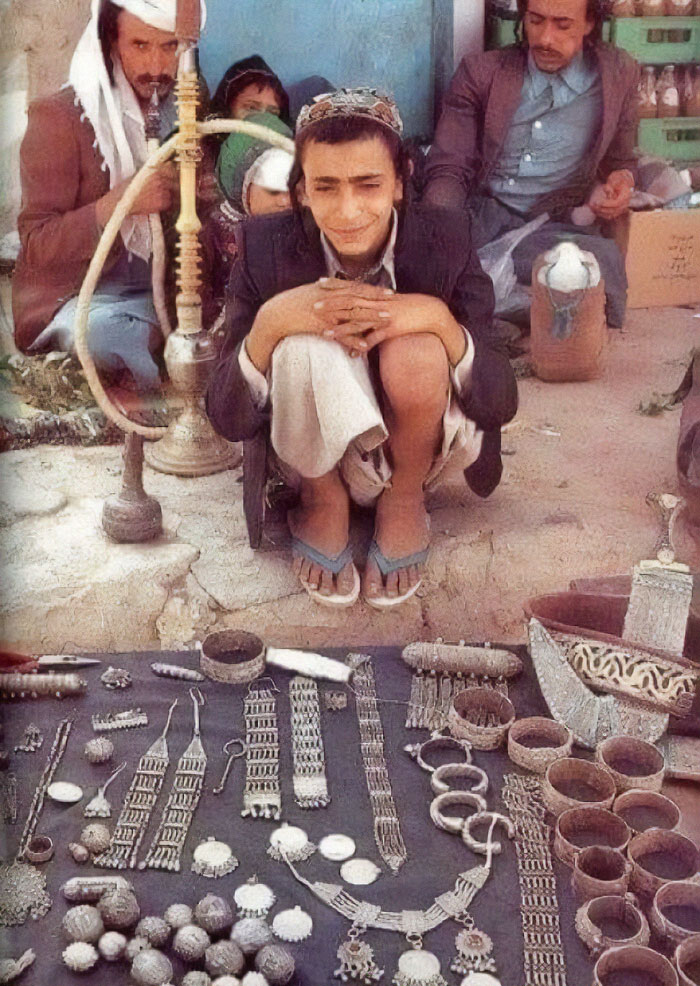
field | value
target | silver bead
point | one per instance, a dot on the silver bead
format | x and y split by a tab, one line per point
95	837
78	852
224	958
214	914
197	978
155	929
250	934
83	923
178	915
80	956
276	963
190	943
98	750
151	968
119	909
111	946
134	946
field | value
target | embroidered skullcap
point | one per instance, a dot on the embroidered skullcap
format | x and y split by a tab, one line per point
373	104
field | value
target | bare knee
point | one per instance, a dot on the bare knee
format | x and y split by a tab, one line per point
414	372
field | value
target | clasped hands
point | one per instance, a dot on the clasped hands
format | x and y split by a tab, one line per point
613	198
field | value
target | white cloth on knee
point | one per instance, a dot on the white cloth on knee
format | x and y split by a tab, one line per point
325	413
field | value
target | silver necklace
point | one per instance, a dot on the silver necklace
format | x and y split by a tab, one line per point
417	966
310	784
58	748
545	962
182	802
387	830
138	804
262	797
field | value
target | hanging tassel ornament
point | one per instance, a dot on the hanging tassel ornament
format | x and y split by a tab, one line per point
418	967
474	956
357	959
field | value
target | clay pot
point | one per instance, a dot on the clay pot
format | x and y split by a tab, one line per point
644	810
600	871
687	960
578	828
609	922
632	762
660	857
573	783
536	742
675	913
474	705
632	965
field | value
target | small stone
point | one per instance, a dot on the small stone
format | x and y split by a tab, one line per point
250	934
155	929
111	946
191	942
79	853
224	958
178	915
95	837
134	946
151	968
214	914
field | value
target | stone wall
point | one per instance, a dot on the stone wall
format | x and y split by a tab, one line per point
37	38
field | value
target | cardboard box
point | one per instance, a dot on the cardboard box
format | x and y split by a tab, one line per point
662	251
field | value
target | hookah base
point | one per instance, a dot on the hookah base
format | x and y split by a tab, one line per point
191	447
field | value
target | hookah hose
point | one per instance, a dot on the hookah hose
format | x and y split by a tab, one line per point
109	235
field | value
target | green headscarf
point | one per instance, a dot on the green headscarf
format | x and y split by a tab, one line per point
238	154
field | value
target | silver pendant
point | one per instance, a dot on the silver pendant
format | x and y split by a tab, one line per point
253	899
357	961
480	979
114	678
418	968
289	842
31	740
213	859
99	806
474	953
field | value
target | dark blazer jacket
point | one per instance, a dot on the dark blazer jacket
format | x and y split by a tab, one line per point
477	112
433	255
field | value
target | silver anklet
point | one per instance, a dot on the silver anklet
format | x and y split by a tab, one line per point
310	784
387	830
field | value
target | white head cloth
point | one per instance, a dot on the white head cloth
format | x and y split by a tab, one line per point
271	171
113	110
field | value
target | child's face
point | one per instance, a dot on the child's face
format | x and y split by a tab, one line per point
262	201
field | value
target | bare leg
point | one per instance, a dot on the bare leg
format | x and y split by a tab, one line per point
414	376
322	521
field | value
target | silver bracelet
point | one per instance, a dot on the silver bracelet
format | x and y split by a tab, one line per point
58	748
387	830
545	962
262	797
310	784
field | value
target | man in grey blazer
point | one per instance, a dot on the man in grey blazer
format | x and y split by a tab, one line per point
533	127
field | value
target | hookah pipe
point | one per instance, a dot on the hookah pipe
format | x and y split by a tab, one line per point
152	127
188	446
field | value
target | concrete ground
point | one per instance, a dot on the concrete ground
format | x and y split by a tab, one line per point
579	460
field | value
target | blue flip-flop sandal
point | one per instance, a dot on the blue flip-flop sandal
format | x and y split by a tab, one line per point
333	565
388	565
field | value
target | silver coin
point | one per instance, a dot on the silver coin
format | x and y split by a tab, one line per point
336	847
359	872
65	792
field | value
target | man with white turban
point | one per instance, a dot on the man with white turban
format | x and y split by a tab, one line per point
82	146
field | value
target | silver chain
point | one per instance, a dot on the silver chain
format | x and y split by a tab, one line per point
310	784
262	797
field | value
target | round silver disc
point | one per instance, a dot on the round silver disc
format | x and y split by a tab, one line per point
336	847
65	792
419	964
480	979
359	872
291	838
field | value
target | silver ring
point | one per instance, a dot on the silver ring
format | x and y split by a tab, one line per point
439	784
440	742
479	818
449	823
39	850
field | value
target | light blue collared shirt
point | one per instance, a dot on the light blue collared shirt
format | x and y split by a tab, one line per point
551	131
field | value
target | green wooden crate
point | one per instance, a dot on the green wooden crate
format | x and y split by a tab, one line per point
500	31
634	34
677	139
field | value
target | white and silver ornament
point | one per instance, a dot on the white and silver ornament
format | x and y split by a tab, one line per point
480	979
290	842
178	915
98	750
156	930
224	958
276	964
253	899
151	968
95	837
214	914
79	853
136	945
292	925
359	872
197	977
418	968
191	942
250	934
213	859
337	847
254	979
83	923
98	806
64	792
114	678
80	956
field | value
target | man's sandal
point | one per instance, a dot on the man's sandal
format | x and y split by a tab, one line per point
388	565
333	565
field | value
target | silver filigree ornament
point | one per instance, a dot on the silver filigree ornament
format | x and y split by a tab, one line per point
114	678
213	859
22	893
357	959
290	842
253	899
105	722
31	741
418	968
474	953
99	806
10	969
292	925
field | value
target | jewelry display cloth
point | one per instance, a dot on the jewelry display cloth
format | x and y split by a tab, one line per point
434	857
